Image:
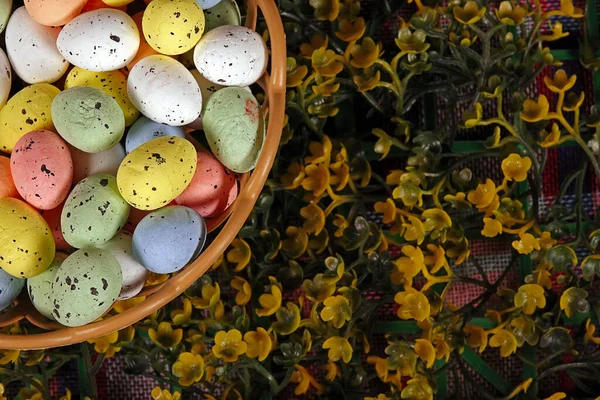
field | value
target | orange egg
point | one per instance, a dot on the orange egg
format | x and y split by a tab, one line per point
52	218
7	186
96	4
54	12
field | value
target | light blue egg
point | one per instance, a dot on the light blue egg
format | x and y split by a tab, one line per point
167	240
204	4
10	287
144	130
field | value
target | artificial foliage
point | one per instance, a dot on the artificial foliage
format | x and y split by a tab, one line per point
291	309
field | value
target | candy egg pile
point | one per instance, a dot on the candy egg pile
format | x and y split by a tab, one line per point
100	181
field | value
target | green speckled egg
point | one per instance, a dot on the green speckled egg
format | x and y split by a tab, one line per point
40	287
5	10
26	242
94	212
226	12
85	286
88	119
233	124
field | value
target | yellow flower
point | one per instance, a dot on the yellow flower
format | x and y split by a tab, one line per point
573	300
567	9
369	82
437	258
527	244
124	305
259	344
465	38
339	348
413	305
483	195
388	209
163	394
270	302
409	193
522	387
102	345
189	368
383	144
341	223
535	111
314	218
295	73
551	138
525	330
182	316
460	252
491	227
337	310
326	62
476	337
341	175
296	242
415	231
418	388
67	395
469	14
425	351
165	336
408	267
317	41
557	396
304	379
530	297
505	340
325	10
288	319
229	345
2	392
590	329
318	289
380	366
349	31
244	290
210	297
472	118
561	82
240	254
364	54
573	102
509	15
436	219
292	179
320	151
412	42
557	32
516	167
458	201
317	179
332	371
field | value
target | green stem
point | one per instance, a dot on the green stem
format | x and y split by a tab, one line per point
87	359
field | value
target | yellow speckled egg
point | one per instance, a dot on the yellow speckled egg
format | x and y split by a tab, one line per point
26	111
117	3
155	173
26	242
173	26
112	83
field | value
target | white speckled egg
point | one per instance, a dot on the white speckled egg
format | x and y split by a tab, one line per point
101	40
5	10
105	162
134	273
5	78
32	51
164	91
231	56
10	287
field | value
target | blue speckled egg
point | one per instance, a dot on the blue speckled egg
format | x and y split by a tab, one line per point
167	240
144	130
10	287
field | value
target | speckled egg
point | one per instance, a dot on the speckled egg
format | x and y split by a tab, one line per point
52	218
26	111
94	212
92	5
26	243
164	91
145	130
134	273
5	10
10	287
231	56
226	12
40	287
7	185
156	172
42	169
212	189
31	48
85	286
205	4
112	83
117	3
173	26
169	239
234	128
105	162
88	119
54	12
100	40
5	78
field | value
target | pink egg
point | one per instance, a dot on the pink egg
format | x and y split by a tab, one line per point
52	218
212	189
42	169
